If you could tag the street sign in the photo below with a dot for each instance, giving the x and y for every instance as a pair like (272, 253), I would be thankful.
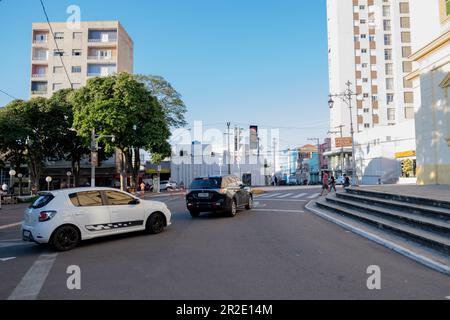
(94, 159)
(344, 142)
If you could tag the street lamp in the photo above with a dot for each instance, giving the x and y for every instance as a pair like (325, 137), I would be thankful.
(12, 173)
(347, 97)
(69, 174)
(48, 179)
(20, 176)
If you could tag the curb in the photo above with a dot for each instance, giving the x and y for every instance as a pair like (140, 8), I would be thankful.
(8, 226)
(385, 243)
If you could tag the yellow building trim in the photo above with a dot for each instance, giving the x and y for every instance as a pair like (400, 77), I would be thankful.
(436, 44)
(413, 75)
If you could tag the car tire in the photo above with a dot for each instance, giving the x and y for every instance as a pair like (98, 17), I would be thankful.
(194, 214)
(233, 209)
(155, 223)
(65, 238)
(249, 206)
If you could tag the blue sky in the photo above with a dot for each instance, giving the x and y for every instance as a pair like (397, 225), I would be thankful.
(258, 62)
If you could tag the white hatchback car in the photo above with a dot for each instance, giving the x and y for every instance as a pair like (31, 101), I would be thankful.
(64, 218)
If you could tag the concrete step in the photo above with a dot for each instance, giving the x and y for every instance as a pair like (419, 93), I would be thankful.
(403, 198)
(425, 237)
(426, 210)
(416, 220)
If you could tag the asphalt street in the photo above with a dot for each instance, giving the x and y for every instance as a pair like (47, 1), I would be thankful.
(276, 251)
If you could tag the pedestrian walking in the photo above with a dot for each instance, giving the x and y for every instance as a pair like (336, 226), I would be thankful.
(333, 184)
(325, 182)
(346, 182)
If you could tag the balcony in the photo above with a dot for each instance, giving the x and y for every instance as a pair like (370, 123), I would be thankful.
(38, 75)
(39, 91)
(101, 58)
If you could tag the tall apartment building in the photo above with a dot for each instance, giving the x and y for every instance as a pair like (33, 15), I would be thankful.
(369, 45)
(98, 48)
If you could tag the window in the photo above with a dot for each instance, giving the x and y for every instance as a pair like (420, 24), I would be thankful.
(362, 7)
(391, 114)
(406, 37)
(404, 7)
(409, 113)
(86, 199)
(387, 39)
(76, 52)
(390, 98)
(389, 84)
(365, 80)
(363, 36)
(366, 125)
(407, 84)
(365, 95)
(386, 11)
(406, 52)
(363, 50)
(409, 97)
(366, 110)
(58, 70)
(362, 21)
(59, 35)
(405, 22)
(59, 52)
(371, 38)
(389, 69)
(407, 66)
(77, 35)
(364, 65)
(118, 198)
(76, 69)
(388, 54)
(374, 98)
(387, 25)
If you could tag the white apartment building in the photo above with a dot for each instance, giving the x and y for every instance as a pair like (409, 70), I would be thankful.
(431, 82)
(369, 45)
(98, 48)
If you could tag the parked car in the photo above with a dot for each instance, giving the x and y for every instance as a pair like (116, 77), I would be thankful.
(218, 194)
(167, 185)
(65, 218)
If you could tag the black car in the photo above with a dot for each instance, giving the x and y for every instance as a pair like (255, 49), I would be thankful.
(218, 194)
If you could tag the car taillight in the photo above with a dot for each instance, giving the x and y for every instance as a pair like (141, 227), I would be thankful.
(46, 215)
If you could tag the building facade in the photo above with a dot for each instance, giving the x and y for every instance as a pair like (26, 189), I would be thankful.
(431, 82)
(369, 45)
(95, 49)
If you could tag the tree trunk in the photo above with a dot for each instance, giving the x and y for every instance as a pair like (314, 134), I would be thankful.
(123, 171)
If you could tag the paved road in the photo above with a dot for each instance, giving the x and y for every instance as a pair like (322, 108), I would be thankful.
(276, 251)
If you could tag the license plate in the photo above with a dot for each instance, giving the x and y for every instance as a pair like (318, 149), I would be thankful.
(203, 195)
(26, 235)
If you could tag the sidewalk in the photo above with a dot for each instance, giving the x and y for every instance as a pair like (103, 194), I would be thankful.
(12, 214)
(434, 192)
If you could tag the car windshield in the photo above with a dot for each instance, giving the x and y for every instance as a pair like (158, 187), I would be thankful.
(42, 201)
(207, 183)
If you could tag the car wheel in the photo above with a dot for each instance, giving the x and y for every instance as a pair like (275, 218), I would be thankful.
(233, 209)
(249, 206)
(194, 214)
(155, 223)
(65, 238)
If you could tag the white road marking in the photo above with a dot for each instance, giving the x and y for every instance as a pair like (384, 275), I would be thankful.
(271, 195)
(284, 200)
(31, 284)
(313, 196)
(15, 244)
(13, 225)
(7, 259)
(279, 210)
(301, 195)
(285, 195)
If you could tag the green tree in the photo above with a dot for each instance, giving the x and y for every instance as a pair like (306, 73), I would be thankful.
(123, 107)
(170, 100)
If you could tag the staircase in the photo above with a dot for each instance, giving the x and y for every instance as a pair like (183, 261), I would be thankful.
(421, 220)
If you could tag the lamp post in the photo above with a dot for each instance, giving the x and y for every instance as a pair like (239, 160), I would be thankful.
(347, 97)
(94, 152)
(12, 174)
(48, 180)
(69, 174)
(20, 176)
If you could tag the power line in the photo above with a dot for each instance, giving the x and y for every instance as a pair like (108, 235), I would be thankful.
(56, 43)
(7, 94)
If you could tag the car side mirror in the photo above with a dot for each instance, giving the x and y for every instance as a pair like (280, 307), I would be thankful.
(134, 202)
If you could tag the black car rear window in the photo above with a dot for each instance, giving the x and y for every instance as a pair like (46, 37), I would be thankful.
(207, 183)
(42, 201)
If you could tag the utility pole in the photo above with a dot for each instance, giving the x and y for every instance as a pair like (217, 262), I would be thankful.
(229, 151)
(274, 156)
(347, 97)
